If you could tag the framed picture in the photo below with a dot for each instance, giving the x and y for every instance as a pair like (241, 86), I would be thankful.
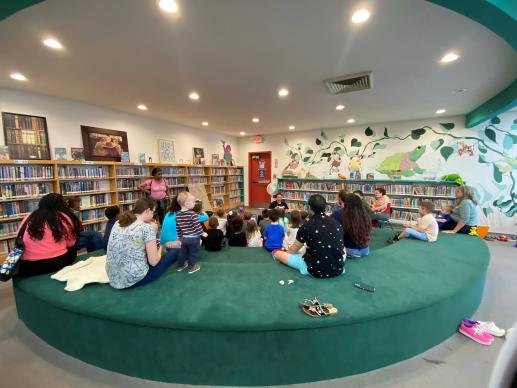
(199, 155)
(215, 159)
(166, 151)
(103, 144)
(26, 136)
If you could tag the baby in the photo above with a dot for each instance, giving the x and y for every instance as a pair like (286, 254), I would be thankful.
(444, 216)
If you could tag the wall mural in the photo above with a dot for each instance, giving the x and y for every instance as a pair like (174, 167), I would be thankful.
(489, 145)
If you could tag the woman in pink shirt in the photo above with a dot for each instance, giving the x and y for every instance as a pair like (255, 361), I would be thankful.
(158, 190)
(51, 232)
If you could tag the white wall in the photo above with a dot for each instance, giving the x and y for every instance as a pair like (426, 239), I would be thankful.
(65, 117)
(475, 170)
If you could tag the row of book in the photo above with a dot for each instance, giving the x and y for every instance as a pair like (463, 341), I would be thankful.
(93, 214)
(217, 171)
(25, 136)
(135, 171)
(217, 190)
(235, 171)
(98, 227)
(404, 215)
(235, 178)
(83, 172)
(234, 186)
(130, 196)
(127, 184)
(16, 209)
(175, 181)
(8, 228)
(196, 171)
(197, 179)
(414, 202)
(235, 193)
(17, 121)
(20, 172)
(6, 246)
(304, 195)
(79, 187)
(17, 190)
(94, 200)
(29, 151)
(171, 171)
(176, 190)
(218, 179)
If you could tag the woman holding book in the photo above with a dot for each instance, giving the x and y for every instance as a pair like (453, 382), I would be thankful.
(158, 191)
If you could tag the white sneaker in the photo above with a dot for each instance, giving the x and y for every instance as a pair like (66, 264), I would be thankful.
(492, 328)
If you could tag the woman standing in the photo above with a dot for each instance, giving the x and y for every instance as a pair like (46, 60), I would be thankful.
(50, 234)
(158, 191)
(133, 257)
(357, 226)
(464, 215)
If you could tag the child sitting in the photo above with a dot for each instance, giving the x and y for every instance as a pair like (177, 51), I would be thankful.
(246, 217)
(111, 214)
(273, 233)
(292, 229)
(253, 235)
(222, 220)
(264, 221)
(282, 219)
(234, 232)
(214, 240)
(89, 239)
(426, 228)
(190, 232)
(203, 218)
(304, 216)
(444, 216)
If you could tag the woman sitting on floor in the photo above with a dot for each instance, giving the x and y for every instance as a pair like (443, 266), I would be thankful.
(133, 257)
(464, 215)
(50, 234)
(357, 226)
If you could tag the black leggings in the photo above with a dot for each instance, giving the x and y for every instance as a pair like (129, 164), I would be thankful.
(39, 267)
(451, 224)
(159, 210)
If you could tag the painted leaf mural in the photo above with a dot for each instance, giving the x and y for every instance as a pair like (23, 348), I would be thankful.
(446, 152)
(490, 133)
(447, 126)
(435, 144)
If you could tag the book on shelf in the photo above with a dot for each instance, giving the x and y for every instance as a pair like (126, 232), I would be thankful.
(141, 157)
(124, 157)
(4, 152)
(60, 153)
(77, 153)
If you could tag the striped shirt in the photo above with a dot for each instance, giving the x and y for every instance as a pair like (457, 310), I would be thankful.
(187, 224)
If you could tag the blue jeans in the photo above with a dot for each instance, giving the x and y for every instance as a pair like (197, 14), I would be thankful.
(357, 252)
(189, 251)
(90, 240)
(412, 233)
(155, 272)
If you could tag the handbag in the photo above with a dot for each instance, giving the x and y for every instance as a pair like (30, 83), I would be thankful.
(11, 263)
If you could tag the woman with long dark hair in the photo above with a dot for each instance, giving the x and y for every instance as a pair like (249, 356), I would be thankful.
(51, 231)
(357, 226)
(158, 191)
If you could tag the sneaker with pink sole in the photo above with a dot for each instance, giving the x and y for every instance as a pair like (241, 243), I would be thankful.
(475, 333)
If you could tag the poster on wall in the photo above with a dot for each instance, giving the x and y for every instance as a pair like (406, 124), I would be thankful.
(166, 151)
(199, 155)
(103, 144)
(26, 136)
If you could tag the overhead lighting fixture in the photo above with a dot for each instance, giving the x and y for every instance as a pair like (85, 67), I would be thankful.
(340, 107)
(283, 92)
(18, 77)
(292, 127)
(53, 43)
(255, 119)
(169, 6)
(243, 133)
(360, 16)
(204, 123)
(142, 107)
(350, 121)
(440, 111)
(193, 96)
(449, 57)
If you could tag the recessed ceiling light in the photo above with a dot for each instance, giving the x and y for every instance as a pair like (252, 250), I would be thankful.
(340, 107)
(292, 127)
(142, 107)
(205, 123)
(360, 16)
(255, 119)
(52, 43)
(440, 111)
(193, 96)
(350, 121)
(169, 6)
(449, 57)
(243, 133)
(283, 92)
(18, 77)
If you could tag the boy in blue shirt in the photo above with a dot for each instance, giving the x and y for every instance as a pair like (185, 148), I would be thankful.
(444, 216)
(273, 233)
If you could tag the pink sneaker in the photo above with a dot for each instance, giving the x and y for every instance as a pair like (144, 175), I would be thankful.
(475, 333)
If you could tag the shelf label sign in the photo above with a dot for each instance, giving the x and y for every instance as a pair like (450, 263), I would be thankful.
(21, 161)
(87, 162)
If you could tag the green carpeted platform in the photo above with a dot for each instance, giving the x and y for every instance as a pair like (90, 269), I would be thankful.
(233, 324)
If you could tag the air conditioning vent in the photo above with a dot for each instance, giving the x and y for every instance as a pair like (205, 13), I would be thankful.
(349, 83)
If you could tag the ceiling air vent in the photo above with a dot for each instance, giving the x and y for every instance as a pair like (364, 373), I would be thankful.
(350, 83)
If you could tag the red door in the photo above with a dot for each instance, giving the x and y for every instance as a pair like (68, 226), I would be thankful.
(259, 176)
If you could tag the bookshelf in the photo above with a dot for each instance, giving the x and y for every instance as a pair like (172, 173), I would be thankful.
(99, 185)
(404, 194)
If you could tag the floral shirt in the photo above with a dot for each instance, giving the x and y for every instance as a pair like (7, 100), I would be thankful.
(126, 262)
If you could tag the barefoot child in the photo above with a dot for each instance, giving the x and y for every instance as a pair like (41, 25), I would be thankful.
(426, 228)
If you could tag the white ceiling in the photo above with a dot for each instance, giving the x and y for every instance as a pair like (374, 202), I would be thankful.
(237, 53)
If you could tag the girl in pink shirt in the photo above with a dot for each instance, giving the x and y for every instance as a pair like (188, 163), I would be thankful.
(51, 231)
(158, 190)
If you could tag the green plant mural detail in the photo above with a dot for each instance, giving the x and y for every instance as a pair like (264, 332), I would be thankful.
(496, 148)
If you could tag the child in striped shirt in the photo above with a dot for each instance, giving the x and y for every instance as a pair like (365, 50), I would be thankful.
(190, 232)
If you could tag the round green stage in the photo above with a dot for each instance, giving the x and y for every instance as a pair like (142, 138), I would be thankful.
(232, 323)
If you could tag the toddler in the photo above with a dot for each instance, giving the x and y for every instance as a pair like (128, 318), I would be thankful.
(304, 216)
(89, 239)
(444, 216)
(235, 233)
(214, 240)
(292, 229)
(273, 233)
(253, 236)
(246, 217)
(111, 214)
(426, 228)
(203, 218)
(221, 220)
(190, 232)
(282, 219)
(264, 221)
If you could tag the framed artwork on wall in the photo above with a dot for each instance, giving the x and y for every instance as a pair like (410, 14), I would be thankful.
(166, 151)
(215, 159)
(103, 144)
(26, 136)
(199, 155)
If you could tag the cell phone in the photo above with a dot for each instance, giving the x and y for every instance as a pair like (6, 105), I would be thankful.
(364, 286)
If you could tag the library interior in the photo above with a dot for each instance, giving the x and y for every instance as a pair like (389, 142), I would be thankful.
(258, 193)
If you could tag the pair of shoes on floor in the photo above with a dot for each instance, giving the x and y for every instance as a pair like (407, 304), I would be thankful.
(479, 331)
(315, 309)
(393, 240)
(190, 270)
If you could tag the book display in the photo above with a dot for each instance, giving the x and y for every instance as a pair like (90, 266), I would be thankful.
(405, 195)
(99, 185)
(26, 136)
